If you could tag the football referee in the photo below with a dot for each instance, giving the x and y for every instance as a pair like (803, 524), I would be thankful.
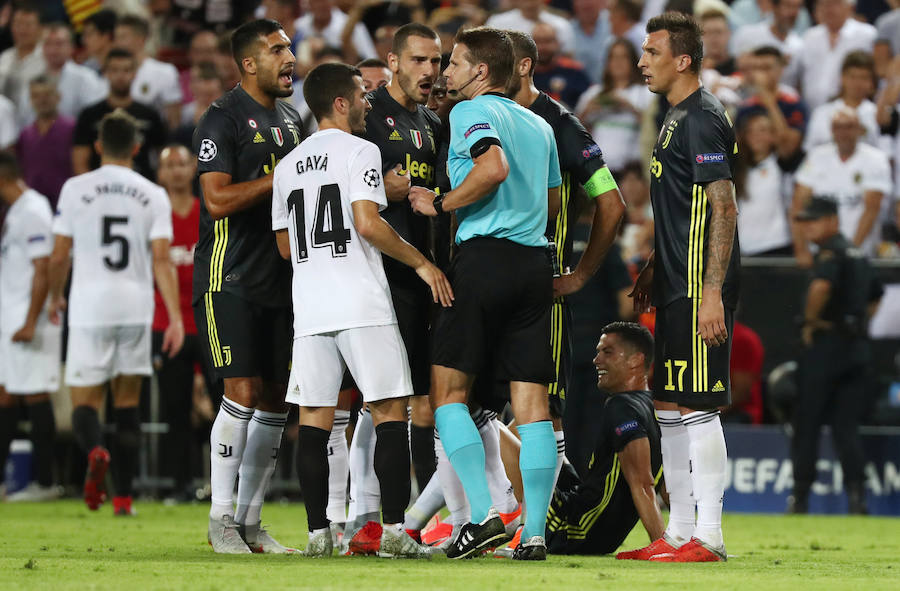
(502, 277)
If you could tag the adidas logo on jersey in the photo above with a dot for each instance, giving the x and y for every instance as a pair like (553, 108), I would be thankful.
(395, 136)
(259, 139)
(718, 387)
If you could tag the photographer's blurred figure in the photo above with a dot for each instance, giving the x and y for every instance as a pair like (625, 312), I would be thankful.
(832, 377)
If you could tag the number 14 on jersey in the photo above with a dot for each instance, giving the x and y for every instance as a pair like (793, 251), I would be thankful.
(328, 226)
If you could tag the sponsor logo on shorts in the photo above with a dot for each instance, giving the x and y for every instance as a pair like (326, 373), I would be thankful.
(711, 157)
(36, 238)
(476, 127)
(718, 387)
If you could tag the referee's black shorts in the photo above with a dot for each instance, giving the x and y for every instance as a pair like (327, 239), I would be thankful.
(244, 339)
(500, 319)
(685, 370)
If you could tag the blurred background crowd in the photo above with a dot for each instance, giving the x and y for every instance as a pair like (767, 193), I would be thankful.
(812, 87)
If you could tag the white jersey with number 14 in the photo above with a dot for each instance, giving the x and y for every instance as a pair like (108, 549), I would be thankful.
(339, 281)
(112, 214)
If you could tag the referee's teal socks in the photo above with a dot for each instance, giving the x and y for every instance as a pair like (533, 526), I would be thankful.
(537, 462)
(466, 452)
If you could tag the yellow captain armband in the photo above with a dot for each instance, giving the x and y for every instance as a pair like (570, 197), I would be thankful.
(600, 182)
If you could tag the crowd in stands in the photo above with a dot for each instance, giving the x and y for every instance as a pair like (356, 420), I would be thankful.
(812, 88)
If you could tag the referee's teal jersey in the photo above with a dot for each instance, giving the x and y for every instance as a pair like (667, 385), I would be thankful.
(517, 209)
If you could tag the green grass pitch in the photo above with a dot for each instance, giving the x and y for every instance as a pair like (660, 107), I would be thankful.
(62, 545)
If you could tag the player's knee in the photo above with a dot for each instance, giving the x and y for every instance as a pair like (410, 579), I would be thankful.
(391, 409)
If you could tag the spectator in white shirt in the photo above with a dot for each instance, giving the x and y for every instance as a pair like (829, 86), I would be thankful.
(591, 30)
(826, 45)
(613, 110)
(25, 59)
(855, 175)
(325, 21)
(762, 186)
(749, 12)
(716, 43)
(857, 85)
(78, 86)
(778, 32)
(156, 83)
(530, 12)
(97, 37)
(9, 129)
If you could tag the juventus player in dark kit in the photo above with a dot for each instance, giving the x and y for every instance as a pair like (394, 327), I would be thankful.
(581, 162)
(406, 133)
(242, 289)
(694, 288)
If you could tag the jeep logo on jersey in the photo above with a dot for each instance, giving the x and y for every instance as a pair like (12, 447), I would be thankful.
(279, 138)
(416, 137)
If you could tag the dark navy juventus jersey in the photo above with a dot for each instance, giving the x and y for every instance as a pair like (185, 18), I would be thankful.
(408, 138)
(238, 254)
(696, 146)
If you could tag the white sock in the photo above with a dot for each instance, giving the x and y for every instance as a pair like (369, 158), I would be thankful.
(675, 446)
(501, 488)
(338, 468)
(709, 457)
(226, 443)
(427, 504)
(454, 494)
(258, 464)
(363, 480)
(560, 453)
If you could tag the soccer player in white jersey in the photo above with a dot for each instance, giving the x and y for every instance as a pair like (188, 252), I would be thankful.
(326, 198)
(117, 226)
(29, 343)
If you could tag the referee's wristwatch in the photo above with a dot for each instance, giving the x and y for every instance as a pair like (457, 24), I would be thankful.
(439, 204)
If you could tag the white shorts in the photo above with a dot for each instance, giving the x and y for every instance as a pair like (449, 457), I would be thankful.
(96, 354)
(375, 356)
(32, 368)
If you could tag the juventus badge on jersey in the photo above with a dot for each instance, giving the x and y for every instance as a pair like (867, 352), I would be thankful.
(279, 138)
(416, 137)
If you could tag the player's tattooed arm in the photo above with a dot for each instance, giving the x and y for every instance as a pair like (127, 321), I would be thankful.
(722, 224)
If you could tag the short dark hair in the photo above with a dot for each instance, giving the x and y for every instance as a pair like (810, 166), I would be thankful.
(768, 51)
(28, 7)
(685, 35)
(859, 59)
(328, 50)
(630, 8)
(492, 47)
(523, 46)
(118, 134)
(325, 83)
(118, 53)
(9, 167)
(103, 20)
(636, 336)
(136, 23)
(45, 79)
(246, 37)
(411, 30)
(372, 62)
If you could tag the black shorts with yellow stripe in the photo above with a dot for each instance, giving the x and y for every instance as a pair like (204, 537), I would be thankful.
(561, 347)
(244, 339)
(586, 521)
(685, 370)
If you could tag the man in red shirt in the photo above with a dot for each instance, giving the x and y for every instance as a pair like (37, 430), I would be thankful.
(175, 376)
(746, 377)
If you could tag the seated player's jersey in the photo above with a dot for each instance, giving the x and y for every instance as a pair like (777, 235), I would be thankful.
(237, 254)
(112, 214)
(696, 146)
(408, 138)
(26, 236)
(627, 416)
(517, 209)
(581, 163)
(339, 281)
